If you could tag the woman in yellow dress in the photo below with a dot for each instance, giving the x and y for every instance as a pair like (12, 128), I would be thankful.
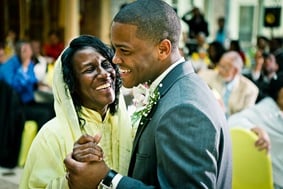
(86, 87)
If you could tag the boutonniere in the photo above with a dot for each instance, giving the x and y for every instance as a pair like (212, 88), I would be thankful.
(143, 100)
(141, 96)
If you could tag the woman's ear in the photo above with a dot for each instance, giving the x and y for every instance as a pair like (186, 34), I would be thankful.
(164, 49)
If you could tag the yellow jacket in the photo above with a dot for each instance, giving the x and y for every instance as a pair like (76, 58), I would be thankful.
(44, 167)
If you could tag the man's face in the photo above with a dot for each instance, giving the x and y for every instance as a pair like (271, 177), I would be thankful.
(35, 45)
(137, 59)
(226, 69)
(270, 65)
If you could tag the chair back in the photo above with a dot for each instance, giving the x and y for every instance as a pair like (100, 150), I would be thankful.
(252, 168)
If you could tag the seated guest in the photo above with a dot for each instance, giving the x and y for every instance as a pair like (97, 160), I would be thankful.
(88, 101)
(199, 56)
(264, 70)
(54, 46)
(41, 64)
(266, 120)
(42, 72)
(215, 51)
(18, 72)
(276, 48)
(237, 91)
(10, 41)
(235, 45)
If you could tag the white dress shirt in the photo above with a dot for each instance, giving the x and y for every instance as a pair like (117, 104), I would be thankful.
(266, 115)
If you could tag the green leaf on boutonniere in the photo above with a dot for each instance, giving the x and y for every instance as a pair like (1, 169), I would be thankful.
(153, 98)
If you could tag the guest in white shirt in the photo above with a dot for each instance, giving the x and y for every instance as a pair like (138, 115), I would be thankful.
(266, 120)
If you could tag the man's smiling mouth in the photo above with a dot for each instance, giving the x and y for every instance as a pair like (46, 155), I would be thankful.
(124, 71)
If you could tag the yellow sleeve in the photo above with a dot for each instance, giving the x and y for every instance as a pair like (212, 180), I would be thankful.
(44, 167)
(125, 138)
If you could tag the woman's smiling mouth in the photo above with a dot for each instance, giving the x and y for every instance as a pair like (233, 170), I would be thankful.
(104, 86)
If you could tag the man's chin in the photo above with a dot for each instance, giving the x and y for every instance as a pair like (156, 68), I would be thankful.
(225, 79)
(127, 84)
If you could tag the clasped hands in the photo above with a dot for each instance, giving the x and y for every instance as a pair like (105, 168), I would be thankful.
(85, 165)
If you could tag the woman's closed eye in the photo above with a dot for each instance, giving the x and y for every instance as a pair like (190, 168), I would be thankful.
(89, 69)
(106, 64)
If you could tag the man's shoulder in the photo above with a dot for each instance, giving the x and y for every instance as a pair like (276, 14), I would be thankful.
(247, 83)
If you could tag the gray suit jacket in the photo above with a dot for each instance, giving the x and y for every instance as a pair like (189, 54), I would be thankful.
(184, 142)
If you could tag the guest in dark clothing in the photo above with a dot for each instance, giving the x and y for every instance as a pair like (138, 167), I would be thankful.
(276, 48)
(18, 72)
(215, 51)
(262, 43)
(196, 23)
(11, 125)
(236, 46)
(264, 71)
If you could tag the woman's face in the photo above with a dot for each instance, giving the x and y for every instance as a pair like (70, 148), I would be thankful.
(95, 79)
(26, 52)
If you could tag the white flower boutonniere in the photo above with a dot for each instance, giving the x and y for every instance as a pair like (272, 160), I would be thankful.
(141, 96)
(144, 100)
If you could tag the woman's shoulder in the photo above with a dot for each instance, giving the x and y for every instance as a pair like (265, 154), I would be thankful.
(51, 128)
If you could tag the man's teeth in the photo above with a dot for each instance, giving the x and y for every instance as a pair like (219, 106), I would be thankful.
(106, 85)
(124, 71)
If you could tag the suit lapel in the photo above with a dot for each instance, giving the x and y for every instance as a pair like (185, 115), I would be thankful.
(143, 122)
(178, 72)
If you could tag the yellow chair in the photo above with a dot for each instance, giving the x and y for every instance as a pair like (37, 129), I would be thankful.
(29, 132)
(252, 168)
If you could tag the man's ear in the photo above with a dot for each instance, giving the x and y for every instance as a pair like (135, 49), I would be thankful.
(164, 49)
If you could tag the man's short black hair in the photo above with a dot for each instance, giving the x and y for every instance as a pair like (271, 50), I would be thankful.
(155, 20)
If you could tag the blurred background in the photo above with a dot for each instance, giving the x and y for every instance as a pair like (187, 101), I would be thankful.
(244, 19)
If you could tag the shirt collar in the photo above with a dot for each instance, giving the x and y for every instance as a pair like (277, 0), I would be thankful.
(231, 84)
(92, 115)
(156, 82)
(268, 79)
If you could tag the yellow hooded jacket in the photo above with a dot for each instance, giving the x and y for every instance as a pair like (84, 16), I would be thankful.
(44, 167)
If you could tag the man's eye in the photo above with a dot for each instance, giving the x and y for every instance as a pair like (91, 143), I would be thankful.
(125, 52)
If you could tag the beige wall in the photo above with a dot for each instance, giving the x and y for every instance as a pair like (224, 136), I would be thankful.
(106, 21)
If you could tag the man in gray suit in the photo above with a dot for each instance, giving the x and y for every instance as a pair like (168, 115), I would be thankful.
(182, 140)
